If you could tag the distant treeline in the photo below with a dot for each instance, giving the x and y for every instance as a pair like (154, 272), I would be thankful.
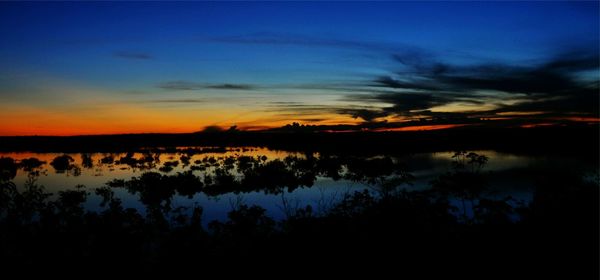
(540, 140)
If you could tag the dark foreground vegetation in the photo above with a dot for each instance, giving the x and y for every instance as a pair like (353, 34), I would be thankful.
(453, 229)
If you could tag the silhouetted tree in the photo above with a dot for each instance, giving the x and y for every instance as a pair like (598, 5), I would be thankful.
(8, 168)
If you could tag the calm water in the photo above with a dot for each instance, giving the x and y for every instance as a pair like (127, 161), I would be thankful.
(506, 176)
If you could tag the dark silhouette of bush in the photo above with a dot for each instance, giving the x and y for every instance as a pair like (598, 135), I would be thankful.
(272, 177)
(86, 161)
(465, 182)
(8, 168)
(186, 183)
(31, 164)
(168, 166)
(108, 159)
(63, 163)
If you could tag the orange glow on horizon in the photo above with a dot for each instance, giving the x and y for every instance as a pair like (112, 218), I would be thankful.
(131, 118)
(420, 127)
(583, 119)
(537, 125)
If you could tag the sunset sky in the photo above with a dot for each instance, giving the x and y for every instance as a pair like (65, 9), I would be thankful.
(98, 68)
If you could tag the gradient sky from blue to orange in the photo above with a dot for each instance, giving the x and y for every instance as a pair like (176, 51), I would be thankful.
(95, 68)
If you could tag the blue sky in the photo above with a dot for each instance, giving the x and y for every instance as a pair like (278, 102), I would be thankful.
(252, 54)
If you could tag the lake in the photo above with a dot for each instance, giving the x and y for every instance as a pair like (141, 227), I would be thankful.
(221, 179)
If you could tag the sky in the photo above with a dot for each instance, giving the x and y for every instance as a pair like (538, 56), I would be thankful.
(73, 68)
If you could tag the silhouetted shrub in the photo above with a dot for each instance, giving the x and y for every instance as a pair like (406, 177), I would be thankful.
(8, 168)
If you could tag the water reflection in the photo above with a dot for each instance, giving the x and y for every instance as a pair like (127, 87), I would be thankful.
(162, 206)
(160, 180)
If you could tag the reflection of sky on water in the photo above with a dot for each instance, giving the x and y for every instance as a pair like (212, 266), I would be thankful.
(502, 170)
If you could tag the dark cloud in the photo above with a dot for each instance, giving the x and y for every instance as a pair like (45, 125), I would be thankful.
(554, 75)
(389, 82)
(187, 85)
(231, 86)
(132, 55)
(368, 115)
(296, 109)
(527, 92)
(577, 102)
(551, 87)
(400, 104)
(406, 102)
(312, 119)
(575, 61)
(504, 78)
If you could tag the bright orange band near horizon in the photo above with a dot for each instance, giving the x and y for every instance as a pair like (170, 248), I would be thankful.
(128, 119)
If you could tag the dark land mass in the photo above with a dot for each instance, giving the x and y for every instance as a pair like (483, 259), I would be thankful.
(378, 232)
(582, 140)
(383, 231)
